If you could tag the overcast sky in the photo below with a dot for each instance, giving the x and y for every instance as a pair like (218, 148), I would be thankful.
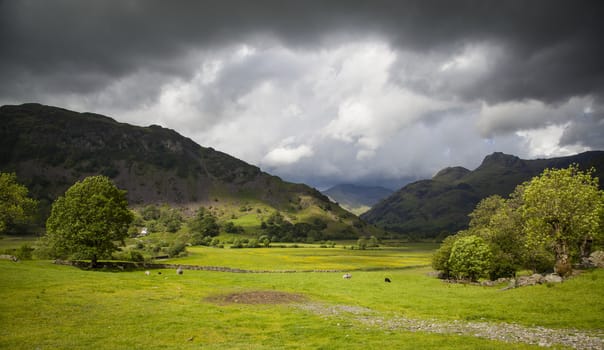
(323, 92)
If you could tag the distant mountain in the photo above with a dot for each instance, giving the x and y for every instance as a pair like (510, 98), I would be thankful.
(51, 148)
(428, 208)
(357, 199)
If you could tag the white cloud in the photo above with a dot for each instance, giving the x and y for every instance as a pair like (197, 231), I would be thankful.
(287, 155)
(545, 142)
(350, 113)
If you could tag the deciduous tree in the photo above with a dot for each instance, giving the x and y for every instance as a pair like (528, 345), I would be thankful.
(15, 206)
(563, 209)
(470, 258)
(88, 220)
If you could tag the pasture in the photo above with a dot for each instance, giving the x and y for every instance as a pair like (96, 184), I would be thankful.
(46, 306)
(309, 258)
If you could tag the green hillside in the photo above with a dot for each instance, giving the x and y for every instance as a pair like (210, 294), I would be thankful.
(429, 208)
(51, 148)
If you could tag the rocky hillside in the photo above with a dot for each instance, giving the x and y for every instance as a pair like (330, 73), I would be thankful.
(428, 208)
(50, 148)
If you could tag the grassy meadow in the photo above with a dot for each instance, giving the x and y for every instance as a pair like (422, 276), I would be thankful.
(46, 306)
(308, 257)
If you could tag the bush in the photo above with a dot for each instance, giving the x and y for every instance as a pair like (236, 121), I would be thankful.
(237, 244)
(215, 242)
(470, 258)
(502, 266)
(175, 249)
(440, 258)
(136, 256)
(24, 252)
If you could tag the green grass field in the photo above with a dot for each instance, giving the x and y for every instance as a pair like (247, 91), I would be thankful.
(46, 306)
(309, 258)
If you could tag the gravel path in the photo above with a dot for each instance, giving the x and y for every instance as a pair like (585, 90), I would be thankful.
(506, 332)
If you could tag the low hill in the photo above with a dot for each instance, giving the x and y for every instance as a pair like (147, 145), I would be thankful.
(357, 199)
(428, 208)
(51, 148)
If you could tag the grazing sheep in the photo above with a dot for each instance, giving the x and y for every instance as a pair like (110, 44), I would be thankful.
(148, 273)
(347, 276)
(387, 280)
(179, 271)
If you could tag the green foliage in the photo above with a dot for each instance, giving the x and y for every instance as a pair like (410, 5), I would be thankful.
(542, 226)
(362, 243)
(15, 205)
(440, 258)
(470, 258)
(170, 219)
(265, 241)
(177, 249)
(88, 220)
(230, 227)
(203, 224)
(150, 212)
(563, 209)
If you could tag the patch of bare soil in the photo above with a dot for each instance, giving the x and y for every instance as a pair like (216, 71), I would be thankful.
(257, 297)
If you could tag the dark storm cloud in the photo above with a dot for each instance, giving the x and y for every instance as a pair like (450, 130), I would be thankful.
(552, 48)
(323, 91)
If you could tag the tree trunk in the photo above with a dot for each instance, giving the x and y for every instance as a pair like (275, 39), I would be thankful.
(585, 248)
(93, 262)
(563, 266)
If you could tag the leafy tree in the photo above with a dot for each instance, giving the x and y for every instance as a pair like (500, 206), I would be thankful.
(563, 209)
(470, 258)
(15, 206)
(265, 241)
(171, 219)
(499, 223)
(88, 220)
(362, 243)
(481, 215)
(203, 224)
(150, 212)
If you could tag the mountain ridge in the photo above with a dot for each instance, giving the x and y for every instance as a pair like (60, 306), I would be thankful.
(50, 148)
(437, 206)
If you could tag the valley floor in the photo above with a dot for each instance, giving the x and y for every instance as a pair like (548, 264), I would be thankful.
(49, 306)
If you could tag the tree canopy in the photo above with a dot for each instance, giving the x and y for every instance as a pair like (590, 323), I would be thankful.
(563, 209)
(15, 206)
(88, 220)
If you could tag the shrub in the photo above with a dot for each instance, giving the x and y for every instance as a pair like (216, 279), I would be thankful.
(175, 249)
(470, 258)
(136, 256)
(24, 252)
(253, 243)
(237, 244)
(440, 258)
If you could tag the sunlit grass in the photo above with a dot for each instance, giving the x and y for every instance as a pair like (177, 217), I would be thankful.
(13, 242)
(307, 258)
(47, 306)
